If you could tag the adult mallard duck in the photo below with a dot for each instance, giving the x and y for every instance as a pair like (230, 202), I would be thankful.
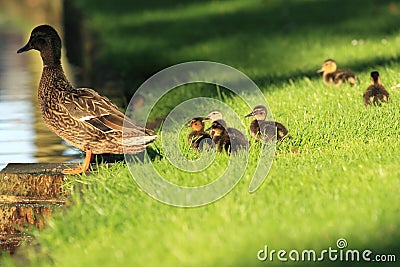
(331, 75)
(234, 133)
(199, 138)
(264, 130)
(376, 92)
(80, 116)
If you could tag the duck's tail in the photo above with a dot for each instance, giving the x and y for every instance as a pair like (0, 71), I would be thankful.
(353, 79)
(139, 140)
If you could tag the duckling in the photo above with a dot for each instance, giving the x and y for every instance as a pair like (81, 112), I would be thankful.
(220, 136)
(214, 115)
(198, 138)
(330, 74)
(223, 140)
(375, 92)
(80, 116)
(234, 133)
(264, 130)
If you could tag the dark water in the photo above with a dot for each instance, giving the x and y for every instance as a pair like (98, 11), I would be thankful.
(23, 135)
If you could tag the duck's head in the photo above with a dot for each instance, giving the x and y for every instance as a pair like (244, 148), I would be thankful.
(214, 115)
(218, 127)
(197, 124)
(46, 40)
(259, 113)
(375, 78)
(328, 66)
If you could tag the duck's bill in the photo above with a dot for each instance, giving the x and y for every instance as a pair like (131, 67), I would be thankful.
(207, 119)
(25, 48)
(320, 70)
(251, 114)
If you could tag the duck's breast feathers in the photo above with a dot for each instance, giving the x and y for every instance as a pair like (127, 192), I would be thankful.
(87, 106)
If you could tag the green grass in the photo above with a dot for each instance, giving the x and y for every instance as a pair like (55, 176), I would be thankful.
(343, 182)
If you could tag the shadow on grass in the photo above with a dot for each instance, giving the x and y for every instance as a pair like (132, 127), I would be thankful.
(136, 39)
(226, 33)
(140, 38)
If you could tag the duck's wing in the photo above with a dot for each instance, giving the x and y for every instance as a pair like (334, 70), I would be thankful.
(345, 75)
(382, 93)
(237, 137)
(281, 130)
(374, 94)
(368, 96)
(235, 133)
(86, 105)
(329, 78)
(269, 129)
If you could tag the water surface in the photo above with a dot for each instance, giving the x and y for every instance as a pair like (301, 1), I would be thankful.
(23, 136)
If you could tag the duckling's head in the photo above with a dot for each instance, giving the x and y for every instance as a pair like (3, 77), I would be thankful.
(214, 115)
(259, 113)
(218, 127)
(197, 124)
(328, 66)
(375, 78)
(46, 40)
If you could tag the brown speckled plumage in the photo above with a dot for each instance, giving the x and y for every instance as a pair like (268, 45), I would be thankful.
(234, 134)
(80, 116)
(198, 138)
(224, 141)
(376, 92)
(264, 130)
(220, 136)
(331, 75)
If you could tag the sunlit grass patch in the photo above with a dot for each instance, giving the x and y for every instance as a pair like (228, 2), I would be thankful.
(337, 176)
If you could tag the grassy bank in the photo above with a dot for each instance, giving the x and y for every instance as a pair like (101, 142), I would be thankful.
(343, 183)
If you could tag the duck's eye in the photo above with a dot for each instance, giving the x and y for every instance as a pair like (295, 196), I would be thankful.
(40, 42)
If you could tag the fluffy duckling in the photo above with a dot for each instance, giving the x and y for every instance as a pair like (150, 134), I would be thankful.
(375, 92)
(331, 75)
(198, 138)
(233, 132)
(223, 140)
(264, 130)
(214, 115)
(220, 136)
(80, 116)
